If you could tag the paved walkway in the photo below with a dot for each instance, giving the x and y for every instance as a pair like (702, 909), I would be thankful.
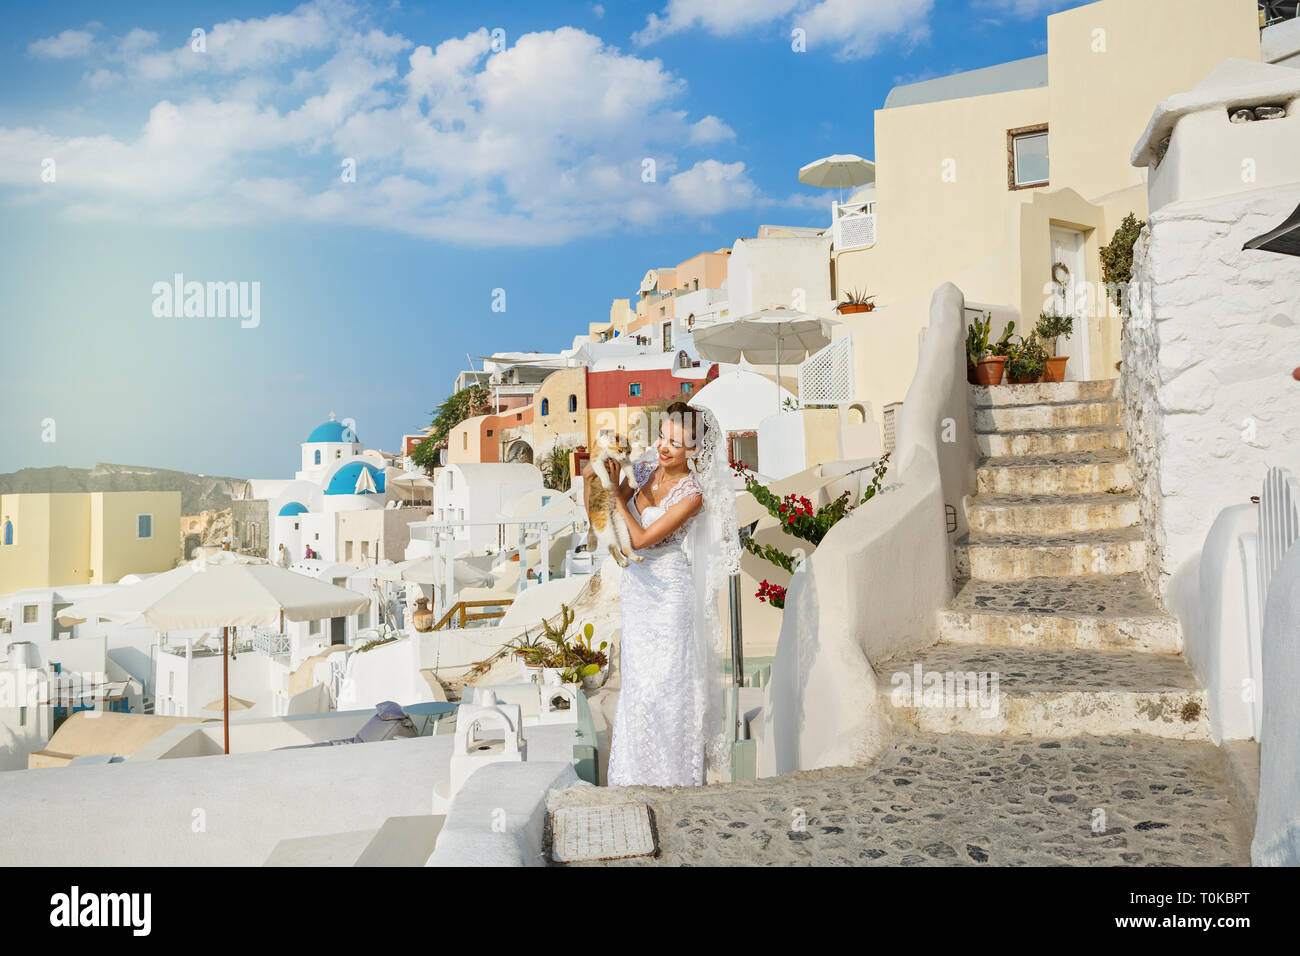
(945, 800)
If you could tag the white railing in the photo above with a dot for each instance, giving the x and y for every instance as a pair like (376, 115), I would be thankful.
(1279, 525)
(826, 376)
(269, 642)
(854, 225)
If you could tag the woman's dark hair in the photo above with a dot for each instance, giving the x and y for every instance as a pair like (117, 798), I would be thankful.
(689, 417)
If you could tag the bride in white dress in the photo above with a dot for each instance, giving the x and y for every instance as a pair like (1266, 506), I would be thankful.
(670, 724)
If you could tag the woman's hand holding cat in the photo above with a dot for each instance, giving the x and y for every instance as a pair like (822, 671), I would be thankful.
(611, 466)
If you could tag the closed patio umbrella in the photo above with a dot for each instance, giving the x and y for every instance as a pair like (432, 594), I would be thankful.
(764, 338)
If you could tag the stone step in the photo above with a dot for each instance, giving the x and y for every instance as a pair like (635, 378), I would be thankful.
(1018, 418)
(1098, 612)
(1011, 557)
(1074, 473)
(1051, 441)
(1051, 514)
(1043, 393)
(1044, 692)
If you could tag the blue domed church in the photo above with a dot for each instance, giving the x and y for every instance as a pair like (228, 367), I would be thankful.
(336, 476)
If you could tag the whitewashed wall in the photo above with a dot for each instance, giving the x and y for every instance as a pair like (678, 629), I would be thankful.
(871, 589)
(1277, 826)
(1207, 358)
(1210, 594)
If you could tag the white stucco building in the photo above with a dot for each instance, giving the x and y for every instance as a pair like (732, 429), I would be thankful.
(337, 477)
(477, 493)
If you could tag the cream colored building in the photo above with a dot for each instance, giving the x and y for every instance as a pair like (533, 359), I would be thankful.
(47, 540)
(989, 179)
(621, 315)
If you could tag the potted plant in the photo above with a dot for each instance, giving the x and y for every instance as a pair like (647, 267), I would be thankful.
(1026, 361)
(560, 656)
(594, 667)
(525, 644)
(977, 343)
(984, 365)
(1049, 329)
(855, 301)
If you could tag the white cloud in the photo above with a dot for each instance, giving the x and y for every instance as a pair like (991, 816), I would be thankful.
(719, 17)
(539, 143)
(852, 29)
(711, 130)
(857, 28)
(712, 187)
(1027, 9)
(68, 44)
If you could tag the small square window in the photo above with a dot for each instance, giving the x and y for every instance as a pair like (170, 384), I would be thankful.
(1027, 157)
(313, 627)
(144, 526)
(30, 613)
(686, 388)
(634, 388)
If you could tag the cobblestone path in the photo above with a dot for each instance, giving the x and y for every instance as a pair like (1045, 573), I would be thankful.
(953, 800)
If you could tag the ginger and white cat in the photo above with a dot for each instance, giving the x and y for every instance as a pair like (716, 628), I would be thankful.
(607, 525)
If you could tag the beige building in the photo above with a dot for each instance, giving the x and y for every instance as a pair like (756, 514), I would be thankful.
(621, 315)
(367, 538)
(48, 540)
(992, 179)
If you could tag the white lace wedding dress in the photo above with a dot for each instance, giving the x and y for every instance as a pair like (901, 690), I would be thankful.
(658, 738)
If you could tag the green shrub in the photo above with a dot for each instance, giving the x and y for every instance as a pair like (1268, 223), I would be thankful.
(1117, 257)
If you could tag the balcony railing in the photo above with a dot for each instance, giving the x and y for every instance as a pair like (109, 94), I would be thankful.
(854, 225)
(269, 642)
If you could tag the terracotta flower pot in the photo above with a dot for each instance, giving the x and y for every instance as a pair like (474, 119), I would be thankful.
(423, 616)
(1055, 371)
(989, 371)
(1023, 379)
(852, 308)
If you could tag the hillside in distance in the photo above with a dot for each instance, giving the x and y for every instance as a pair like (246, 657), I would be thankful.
(198, 492)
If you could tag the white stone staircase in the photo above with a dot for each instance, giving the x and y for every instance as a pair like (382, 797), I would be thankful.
(1051, 598)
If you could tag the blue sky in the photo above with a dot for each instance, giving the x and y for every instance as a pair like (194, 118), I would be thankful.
(483, 160)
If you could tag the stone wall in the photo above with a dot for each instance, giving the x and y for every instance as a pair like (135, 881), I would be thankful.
(1209, 344)
(1138, 361)
(246, 516)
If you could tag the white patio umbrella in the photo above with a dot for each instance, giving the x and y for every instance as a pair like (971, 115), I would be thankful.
(429, 570)
(413, 480)
(764, 338)
(839, 171)
(225, 596)
(229, 701)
